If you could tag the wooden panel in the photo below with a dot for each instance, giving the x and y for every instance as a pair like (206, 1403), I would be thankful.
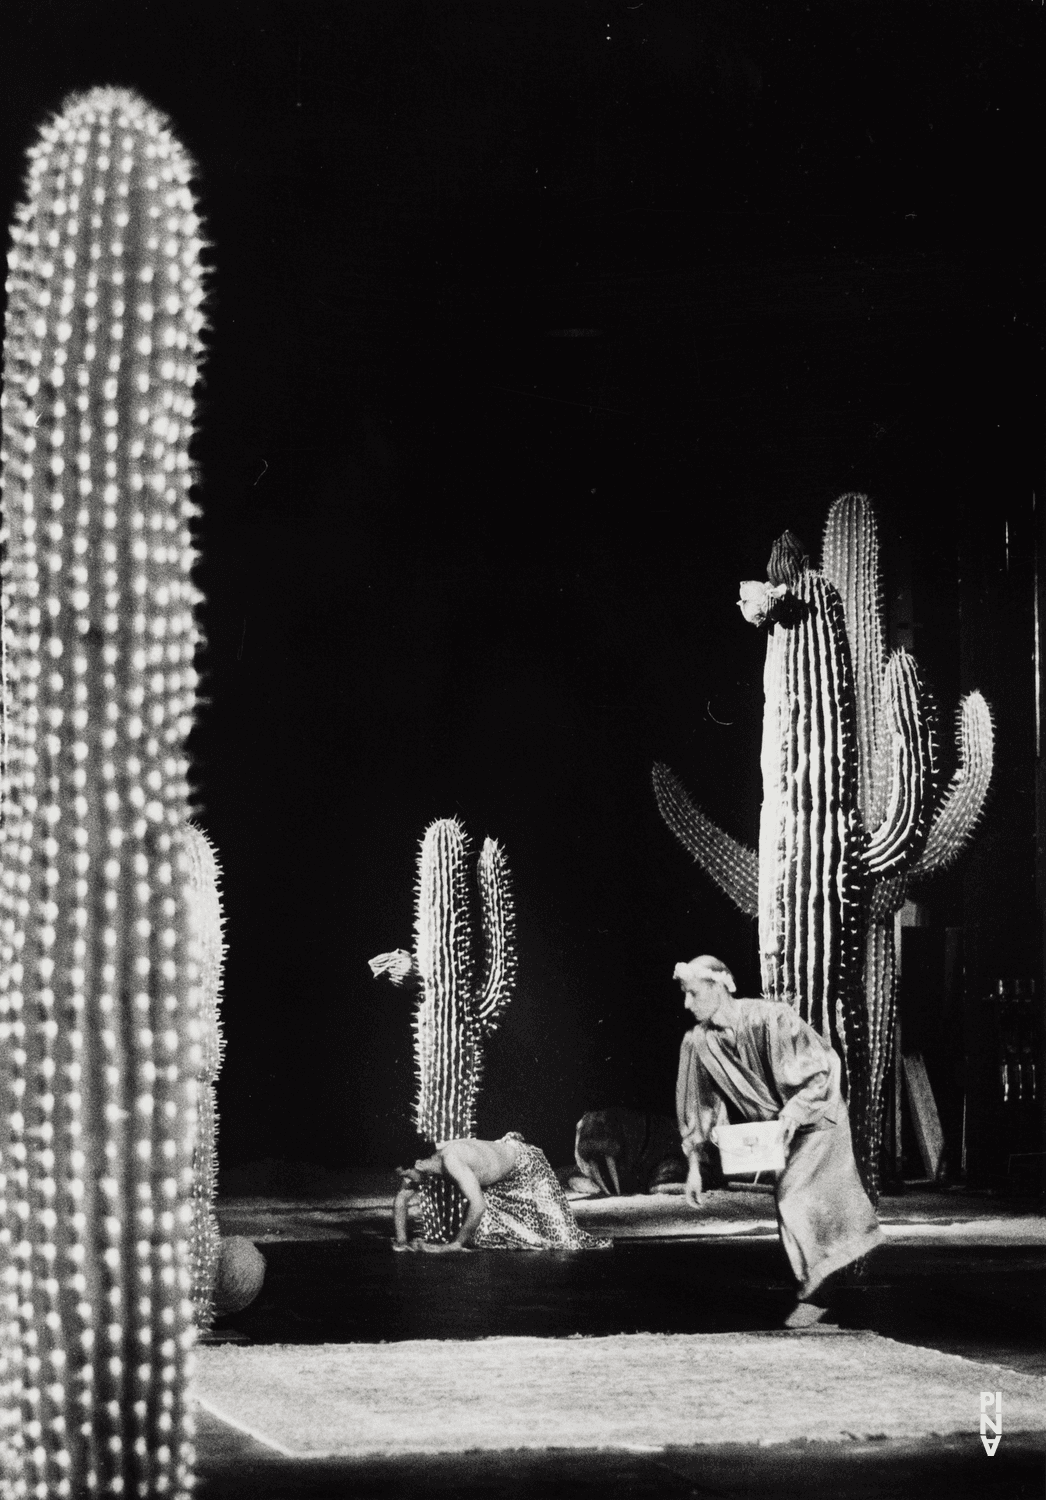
(927, 1124)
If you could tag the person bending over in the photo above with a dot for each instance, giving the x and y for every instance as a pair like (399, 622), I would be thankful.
(622, 1151)
(759, 1060)
(514, 1199)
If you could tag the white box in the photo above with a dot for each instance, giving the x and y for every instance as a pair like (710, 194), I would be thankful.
(755, 1147)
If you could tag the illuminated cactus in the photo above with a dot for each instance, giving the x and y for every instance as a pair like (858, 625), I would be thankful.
(454, 1013)
(810, 837)
(205, 1238)
(850, 808)
(806, 885)
(917, 831)
(100, 982)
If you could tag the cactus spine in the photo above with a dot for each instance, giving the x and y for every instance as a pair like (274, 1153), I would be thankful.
(851, 810)
(99, 964)
(208, 920)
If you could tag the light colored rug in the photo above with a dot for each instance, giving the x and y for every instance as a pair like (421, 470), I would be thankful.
(638, 1392)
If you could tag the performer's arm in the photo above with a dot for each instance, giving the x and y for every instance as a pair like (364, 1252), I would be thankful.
(689, 1117)
(682, 1087)
(399, 1214)
(802, 1068)
(694, 1191)
(468, 1182)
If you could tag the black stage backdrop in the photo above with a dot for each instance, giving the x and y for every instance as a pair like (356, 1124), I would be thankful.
(533, 325)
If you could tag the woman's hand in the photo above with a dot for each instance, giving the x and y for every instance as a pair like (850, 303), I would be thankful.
(791, 1125)
(694, 1193)
(440, 1249)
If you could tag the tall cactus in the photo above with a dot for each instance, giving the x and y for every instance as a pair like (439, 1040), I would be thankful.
(205, 1237)
(810, 840)
(851, 808)
(100, 970)
(917, 829)
(455, 1010)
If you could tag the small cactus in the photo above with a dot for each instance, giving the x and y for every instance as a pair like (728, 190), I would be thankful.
(454, 1013)
(851, 810)
(100, 983)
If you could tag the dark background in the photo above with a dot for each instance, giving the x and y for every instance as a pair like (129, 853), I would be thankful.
(533, 325)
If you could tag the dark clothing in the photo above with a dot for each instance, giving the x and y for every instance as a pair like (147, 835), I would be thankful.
(645, 1148)
(771, 1065)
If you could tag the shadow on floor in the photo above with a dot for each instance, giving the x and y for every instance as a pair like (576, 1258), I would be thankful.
(984, 1303)
(234, 1467)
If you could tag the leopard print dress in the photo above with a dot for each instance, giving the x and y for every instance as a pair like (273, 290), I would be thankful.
(528, 1210)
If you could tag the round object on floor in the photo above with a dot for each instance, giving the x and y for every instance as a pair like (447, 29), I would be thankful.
(241, 1271)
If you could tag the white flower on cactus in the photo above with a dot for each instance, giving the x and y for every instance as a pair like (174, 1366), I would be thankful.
(758, 599)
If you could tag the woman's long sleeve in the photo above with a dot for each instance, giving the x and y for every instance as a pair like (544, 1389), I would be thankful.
(804, 1070)
(698, 1105)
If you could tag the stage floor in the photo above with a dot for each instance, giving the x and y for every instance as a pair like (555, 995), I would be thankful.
(960, 1274)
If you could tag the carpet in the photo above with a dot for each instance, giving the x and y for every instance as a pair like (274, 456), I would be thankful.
(638, 1392)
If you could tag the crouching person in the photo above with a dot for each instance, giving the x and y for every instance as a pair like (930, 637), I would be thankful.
(758, 1060)
(624, 1151)
(514, 1199)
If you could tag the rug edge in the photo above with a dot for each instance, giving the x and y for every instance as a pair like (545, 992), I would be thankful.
(842, 1440)
(259, 1437)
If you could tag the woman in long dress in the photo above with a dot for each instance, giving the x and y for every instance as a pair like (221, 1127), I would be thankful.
(759, 1060)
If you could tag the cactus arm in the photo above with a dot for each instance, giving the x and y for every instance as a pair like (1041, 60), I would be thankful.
(101, 352)
(446, 1032)
(731, 865)
(499, 925)
(850, 562)
(897, 842)
(208, 922)
(880, 985)
(962, 804)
